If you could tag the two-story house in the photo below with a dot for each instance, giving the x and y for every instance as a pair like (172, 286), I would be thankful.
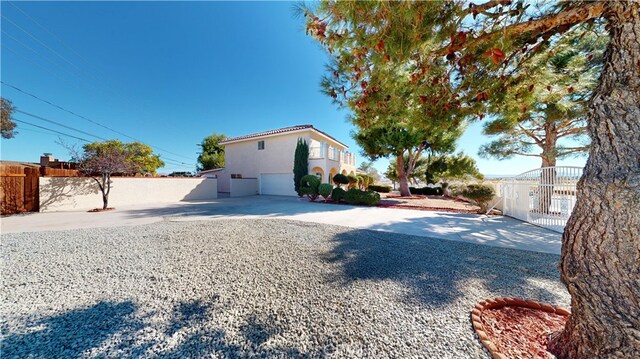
(268, 158)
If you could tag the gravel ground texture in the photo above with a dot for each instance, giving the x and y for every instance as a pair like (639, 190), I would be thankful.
(254, 288)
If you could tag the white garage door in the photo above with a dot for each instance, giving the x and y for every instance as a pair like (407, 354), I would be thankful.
(277, 184)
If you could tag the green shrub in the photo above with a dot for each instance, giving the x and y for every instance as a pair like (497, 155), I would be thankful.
(325, 190)
(479, 193)
(456, 190)
(340, 179)
(356, 196)
(309, 186)
(427, 191)
(380, 188)
(338, 194)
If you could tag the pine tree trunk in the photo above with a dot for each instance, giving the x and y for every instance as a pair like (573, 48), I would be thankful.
(402, 176)
(601, 243)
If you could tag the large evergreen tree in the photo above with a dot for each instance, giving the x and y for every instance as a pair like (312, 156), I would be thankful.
(544, 113)
(486, 46)
(300, 164)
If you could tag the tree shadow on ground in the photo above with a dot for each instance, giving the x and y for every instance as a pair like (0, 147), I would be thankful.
(70, 334)
(271, 206)
(92, 330)
(435, 270)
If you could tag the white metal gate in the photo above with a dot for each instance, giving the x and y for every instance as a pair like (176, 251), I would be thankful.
(544, 196)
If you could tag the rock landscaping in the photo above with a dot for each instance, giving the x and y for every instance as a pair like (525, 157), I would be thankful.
(254, 288)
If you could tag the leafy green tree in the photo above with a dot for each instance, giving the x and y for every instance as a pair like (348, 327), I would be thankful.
(300, 164)
(212, 154)
(451, 167)
(143, 158)
(7, 126)
(544, 114)
(140, 156)
(486, 45)
(405, 146)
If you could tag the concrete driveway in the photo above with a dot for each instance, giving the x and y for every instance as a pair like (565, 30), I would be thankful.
(494, 231)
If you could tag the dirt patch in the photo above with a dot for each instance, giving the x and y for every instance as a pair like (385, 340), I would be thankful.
(429, 203)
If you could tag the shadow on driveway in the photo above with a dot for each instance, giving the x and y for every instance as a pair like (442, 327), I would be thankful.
(435, 270)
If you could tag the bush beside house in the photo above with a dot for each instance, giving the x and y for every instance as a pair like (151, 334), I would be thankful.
(309, 185)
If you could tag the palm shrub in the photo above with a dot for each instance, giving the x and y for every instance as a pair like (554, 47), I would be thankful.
(338, 194)
(325, 190)
(309, 186)
(300, 164)
(481, 194)
(340, 179)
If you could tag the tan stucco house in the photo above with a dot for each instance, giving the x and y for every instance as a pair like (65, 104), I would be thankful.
(267, 157)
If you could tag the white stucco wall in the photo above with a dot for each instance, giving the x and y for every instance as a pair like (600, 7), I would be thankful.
(241, 187)
(77, 193)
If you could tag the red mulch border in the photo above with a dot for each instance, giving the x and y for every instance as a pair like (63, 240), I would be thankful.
(494, 303)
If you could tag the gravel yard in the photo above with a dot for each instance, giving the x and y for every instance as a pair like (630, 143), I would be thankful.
(254, 288)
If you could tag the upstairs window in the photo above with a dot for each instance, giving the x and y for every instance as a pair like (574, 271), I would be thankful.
(261, 145)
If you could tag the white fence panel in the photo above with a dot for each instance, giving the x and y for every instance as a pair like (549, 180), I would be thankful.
(544, 196)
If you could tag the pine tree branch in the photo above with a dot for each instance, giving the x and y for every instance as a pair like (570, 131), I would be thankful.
(573, 131)
(531, 134)
(544, 25)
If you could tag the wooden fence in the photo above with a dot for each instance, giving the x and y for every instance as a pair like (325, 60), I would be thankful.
(57, 172)
(19, 189)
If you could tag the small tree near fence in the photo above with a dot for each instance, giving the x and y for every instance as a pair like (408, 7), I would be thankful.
(101, 162)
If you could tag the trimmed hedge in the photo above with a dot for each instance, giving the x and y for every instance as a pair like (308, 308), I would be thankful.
(427, 191)
(325, 190)
(338, 194)
(309, 185)
(380, 188)
(340, 179)
(356, 196)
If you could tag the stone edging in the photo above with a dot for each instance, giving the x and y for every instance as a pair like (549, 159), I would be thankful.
(476, 317)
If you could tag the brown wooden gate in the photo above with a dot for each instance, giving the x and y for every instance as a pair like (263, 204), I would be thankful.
(19, 189)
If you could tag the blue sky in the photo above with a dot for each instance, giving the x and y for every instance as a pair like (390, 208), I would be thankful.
(170, 73)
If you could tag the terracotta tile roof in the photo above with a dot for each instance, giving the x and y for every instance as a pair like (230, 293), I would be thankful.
(278, 131)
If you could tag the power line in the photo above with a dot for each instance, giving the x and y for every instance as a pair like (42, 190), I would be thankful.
(41, 42)
(59, 124)
(47, 30)
(177, 164)
(48, 129)
(74, 65)
(87, 119)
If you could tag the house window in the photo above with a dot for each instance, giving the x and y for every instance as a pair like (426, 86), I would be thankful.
(261, 145)
(236, 175)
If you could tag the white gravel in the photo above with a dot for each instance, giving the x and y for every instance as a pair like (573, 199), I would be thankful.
(254, 288)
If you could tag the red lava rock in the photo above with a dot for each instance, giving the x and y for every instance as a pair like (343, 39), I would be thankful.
(520, 332)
